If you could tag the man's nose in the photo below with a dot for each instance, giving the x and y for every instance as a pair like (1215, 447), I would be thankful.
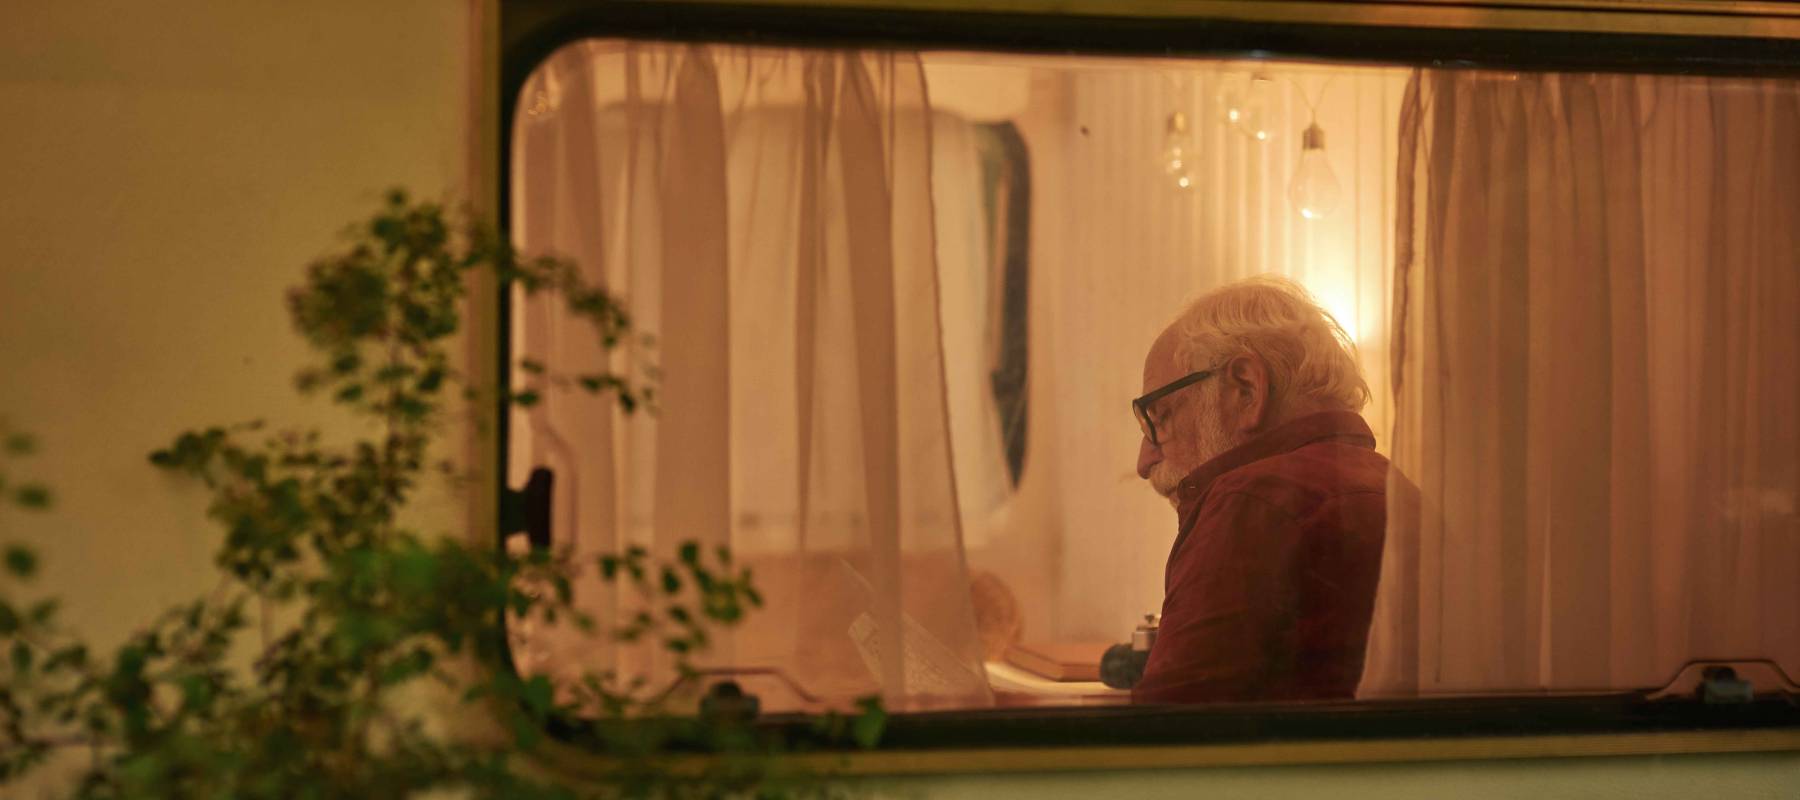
(1148, 456)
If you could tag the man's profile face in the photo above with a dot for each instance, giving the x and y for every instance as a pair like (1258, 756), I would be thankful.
(1189, 427)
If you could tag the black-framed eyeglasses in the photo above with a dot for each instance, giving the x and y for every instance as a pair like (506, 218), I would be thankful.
(1140, 407)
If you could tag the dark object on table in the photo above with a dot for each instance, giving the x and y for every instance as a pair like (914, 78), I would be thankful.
(1123, 664)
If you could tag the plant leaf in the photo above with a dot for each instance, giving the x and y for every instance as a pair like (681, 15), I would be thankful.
(21, 561)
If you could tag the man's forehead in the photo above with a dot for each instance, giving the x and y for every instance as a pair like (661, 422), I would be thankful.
(1160, 361)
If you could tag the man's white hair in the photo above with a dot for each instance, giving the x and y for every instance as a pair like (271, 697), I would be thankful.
(1307, 352)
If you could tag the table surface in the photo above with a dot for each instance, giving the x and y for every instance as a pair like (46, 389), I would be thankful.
(1016, 687)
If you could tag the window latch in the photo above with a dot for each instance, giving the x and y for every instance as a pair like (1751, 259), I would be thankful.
(527, 510)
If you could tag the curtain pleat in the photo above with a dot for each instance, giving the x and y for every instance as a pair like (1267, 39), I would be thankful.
(1594, 382)
(692, 471)
(766, 214)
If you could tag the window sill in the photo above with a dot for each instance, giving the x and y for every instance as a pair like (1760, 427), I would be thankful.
(1075, 759)
(1053, 739)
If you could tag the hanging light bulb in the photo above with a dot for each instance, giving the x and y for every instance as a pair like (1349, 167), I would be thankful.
(1314, 188)
(1256, 109)
(1178, 151)
(1231, 99)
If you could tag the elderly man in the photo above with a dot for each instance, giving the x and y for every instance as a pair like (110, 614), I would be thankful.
(1251, 431)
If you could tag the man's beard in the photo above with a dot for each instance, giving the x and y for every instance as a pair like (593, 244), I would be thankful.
(1210, 440)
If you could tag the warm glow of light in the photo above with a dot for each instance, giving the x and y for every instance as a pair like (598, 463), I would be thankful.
(1341, 302)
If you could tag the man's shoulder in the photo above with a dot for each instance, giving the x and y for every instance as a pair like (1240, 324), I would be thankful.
(1305, 478)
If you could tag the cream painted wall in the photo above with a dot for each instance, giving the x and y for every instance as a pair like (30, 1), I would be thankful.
(167, 169)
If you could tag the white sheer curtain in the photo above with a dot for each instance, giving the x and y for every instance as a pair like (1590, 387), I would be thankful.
(1597, 374)
(768, 215)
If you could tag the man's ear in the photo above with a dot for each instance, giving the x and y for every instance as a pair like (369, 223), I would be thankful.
(1247, 392)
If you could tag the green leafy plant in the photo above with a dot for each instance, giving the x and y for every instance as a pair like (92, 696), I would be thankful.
(363, 626)
(23, 626)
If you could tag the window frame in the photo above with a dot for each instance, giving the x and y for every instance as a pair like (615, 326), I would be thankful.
(1656, 36)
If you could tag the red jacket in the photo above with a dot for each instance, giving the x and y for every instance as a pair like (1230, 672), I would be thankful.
(1271, 581)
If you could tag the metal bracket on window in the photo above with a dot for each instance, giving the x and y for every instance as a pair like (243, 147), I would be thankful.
(1722, 686)
(1728, 681)
(527, 510)
(728, 698)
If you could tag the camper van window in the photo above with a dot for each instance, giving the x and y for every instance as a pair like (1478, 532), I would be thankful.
(1114, 387)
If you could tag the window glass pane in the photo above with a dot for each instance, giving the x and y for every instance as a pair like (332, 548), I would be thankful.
(1461, 381)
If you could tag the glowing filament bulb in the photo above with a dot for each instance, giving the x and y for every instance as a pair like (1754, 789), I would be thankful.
(1314, 189)
(1231, 100)
(1254, 112)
